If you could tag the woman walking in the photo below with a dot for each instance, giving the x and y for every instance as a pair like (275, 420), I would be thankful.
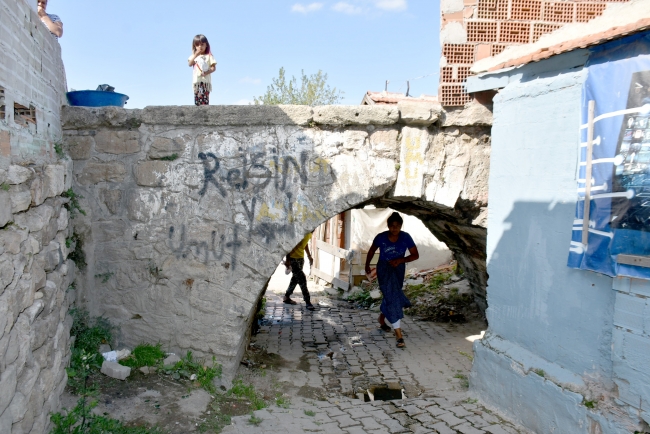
(204, 65)
(391, 269)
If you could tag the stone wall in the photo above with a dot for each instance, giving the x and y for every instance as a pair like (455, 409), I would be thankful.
(34, 273)
(34, 301)
(189, 210)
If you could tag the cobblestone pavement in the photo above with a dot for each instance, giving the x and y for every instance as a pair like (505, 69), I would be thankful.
(341, 351)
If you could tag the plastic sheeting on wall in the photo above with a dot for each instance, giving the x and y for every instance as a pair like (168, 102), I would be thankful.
(619, 218)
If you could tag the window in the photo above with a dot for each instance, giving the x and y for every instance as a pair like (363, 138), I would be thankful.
(24, 115)
(2, 104)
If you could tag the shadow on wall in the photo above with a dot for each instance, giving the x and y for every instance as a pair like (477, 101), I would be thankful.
(544, 317)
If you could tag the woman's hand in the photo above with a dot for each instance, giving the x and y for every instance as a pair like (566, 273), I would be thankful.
(396, 262)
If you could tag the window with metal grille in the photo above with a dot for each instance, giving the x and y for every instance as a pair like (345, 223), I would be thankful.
(526, 10)
(588, 11)
(559, 12)
(458, 53)
(540, 29)
(24, 115)
(518, 33)
(481, 31)
(493, 9)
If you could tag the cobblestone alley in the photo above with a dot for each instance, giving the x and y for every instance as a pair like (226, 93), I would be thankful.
(340, 350)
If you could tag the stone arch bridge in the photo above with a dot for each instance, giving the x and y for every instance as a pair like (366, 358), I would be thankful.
(190, 209)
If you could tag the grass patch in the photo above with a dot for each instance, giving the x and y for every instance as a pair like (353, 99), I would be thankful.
(361, 298)
(254, 420)
(464, 381)
(247, 392)
(469, 356)
(540, 372)
(590, 404)
(281, 400)
(144, 355)
(189, 366)
(89, 334)
(310, 413)
(5, 186)
(214, 423)
(81, 420)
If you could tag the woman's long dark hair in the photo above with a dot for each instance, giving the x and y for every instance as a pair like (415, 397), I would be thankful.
(199, 39)
(395, 217)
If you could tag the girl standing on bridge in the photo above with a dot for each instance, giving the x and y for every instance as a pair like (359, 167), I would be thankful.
(391, 269)
(204, 65)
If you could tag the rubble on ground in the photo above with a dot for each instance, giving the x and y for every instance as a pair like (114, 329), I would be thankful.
(439, 294)
(443, 296)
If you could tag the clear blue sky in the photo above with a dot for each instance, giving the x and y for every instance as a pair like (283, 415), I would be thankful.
(141, 46)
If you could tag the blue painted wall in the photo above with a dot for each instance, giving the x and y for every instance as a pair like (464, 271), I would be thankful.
(548, 346)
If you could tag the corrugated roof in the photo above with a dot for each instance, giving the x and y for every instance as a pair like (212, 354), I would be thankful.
(617, 21)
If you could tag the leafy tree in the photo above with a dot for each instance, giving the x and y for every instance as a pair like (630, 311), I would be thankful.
(313, 90)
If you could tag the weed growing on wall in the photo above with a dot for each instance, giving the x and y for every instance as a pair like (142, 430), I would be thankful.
(171, 157)
(104, 276)
(77, 255)
(73, 204)
(58, 148)
(5, 186)
(144, 355)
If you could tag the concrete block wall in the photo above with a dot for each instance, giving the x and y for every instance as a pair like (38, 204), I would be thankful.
(472, 30)
(631, 345)
(34, 273)
(32, 76)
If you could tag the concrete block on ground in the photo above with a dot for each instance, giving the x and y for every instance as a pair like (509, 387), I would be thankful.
(172, 359)
(115, 370)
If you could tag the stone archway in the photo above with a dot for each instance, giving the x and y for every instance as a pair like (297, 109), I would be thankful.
(190, 209)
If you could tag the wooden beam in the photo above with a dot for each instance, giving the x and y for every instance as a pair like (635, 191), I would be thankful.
(332, 250)
(337, 283)
(639, 261)
(590, 148)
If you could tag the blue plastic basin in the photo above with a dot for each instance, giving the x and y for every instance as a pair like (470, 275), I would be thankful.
(96, 98)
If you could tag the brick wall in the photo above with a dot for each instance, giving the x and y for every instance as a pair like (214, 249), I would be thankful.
(472, 30)
(31, 77)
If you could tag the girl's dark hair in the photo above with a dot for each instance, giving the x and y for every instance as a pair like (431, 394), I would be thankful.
(198, 39)
(395, 217)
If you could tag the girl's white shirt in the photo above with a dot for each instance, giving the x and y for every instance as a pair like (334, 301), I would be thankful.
(202, 63)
